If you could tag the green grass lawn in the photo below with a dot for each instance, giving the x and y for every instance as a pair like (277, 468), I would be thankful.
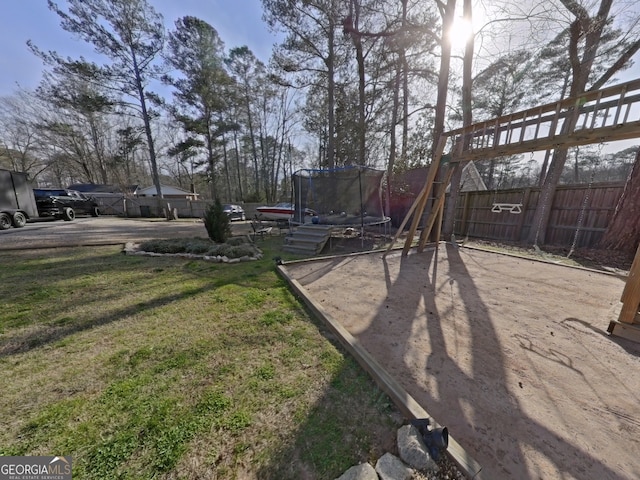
(154, 367)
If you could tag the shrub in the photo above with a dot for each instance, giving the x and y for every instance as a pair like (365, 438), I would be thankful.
(163, 246)
(217, 222)
(235, 247)
(233, 251)
(235, 241)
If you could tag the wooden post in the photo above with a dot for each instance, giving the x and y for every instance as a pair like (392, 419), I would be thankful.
(436, 213)
(627, 326)
(631, 294)
(418, 205)
(439, 221)
(433, 170)
(421, 203)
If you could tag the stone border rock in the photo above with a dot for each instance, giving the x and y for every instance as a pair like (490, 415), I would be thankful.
(131, 248)
(415, 462)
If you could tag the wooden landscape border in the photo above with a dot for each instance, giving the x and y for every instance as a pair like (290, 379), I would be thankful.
(400, 397)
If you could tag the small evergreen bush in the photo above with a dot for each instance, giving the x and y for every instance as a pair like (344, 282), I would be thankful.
(217, 222)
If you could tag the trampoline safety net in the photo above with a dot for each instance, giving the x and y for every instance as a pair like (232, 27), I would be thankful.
(340, 196)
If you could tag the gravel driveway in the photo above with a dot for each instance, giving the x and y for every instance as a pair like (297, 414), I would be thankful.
(103, 231)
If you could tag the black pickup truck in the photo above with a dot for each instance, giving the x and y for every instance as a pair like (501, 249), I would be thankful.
(63, 203)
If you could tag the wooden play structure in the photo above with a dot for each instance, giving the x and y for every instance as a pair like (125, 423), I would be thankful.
(606, 115)
(628, 323)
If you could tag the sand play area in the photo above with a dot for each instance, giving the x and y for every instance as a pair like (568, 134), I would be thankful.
(511, 354)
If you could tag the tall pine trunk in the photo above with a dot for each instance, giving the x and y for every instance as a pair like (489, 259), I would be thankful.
(623, 232)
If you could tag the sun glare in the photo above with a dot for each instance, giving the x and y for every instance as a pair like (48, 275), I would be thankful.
(460, 33)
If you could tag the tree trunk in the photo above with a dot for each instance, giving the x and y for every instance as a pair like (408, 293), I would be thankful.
(589, 30)
(405, 109)
(400, 73)
(362, 134)
(362, 129)
(541, 216)
(543, 168)
(252, 139)
(623, 232)
(447, 13)
(394, 121)
(279, 156)
(450, 212)
(147, 130)
(331, 87)
(240, 175)
(405, 93)
(211, 164)
(227, 172)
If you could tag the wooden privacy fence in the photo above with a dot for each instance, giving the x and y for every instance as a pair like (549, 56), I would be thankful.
(114, 204)
(582, 209)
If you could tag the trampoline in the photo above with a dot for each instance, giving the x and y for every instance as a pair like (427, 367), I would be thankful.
(347, 196)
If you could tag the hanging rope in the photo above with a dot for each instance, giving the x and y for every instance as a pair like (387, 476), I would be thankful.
(585, 201)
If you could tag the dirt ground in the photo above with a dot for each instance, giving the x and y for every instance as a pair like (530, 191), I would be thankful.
(510, 354)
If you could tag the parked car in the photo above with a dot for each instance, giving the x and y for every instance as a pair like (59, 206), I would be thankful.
(234, 212)
(63, 203)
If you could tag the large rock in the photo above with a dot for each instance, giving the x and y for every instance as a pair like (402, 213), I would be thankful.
(390, 467)
(364, 471)
(413, 450)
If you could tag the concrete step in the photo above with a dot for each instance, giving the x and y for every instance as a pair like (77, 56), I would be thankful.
(303, 239)
(307, 239)
(300, 249)
(313, 230)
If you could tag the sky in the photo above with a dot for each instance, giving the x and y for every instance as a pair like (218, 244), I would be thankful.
(238, 22)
